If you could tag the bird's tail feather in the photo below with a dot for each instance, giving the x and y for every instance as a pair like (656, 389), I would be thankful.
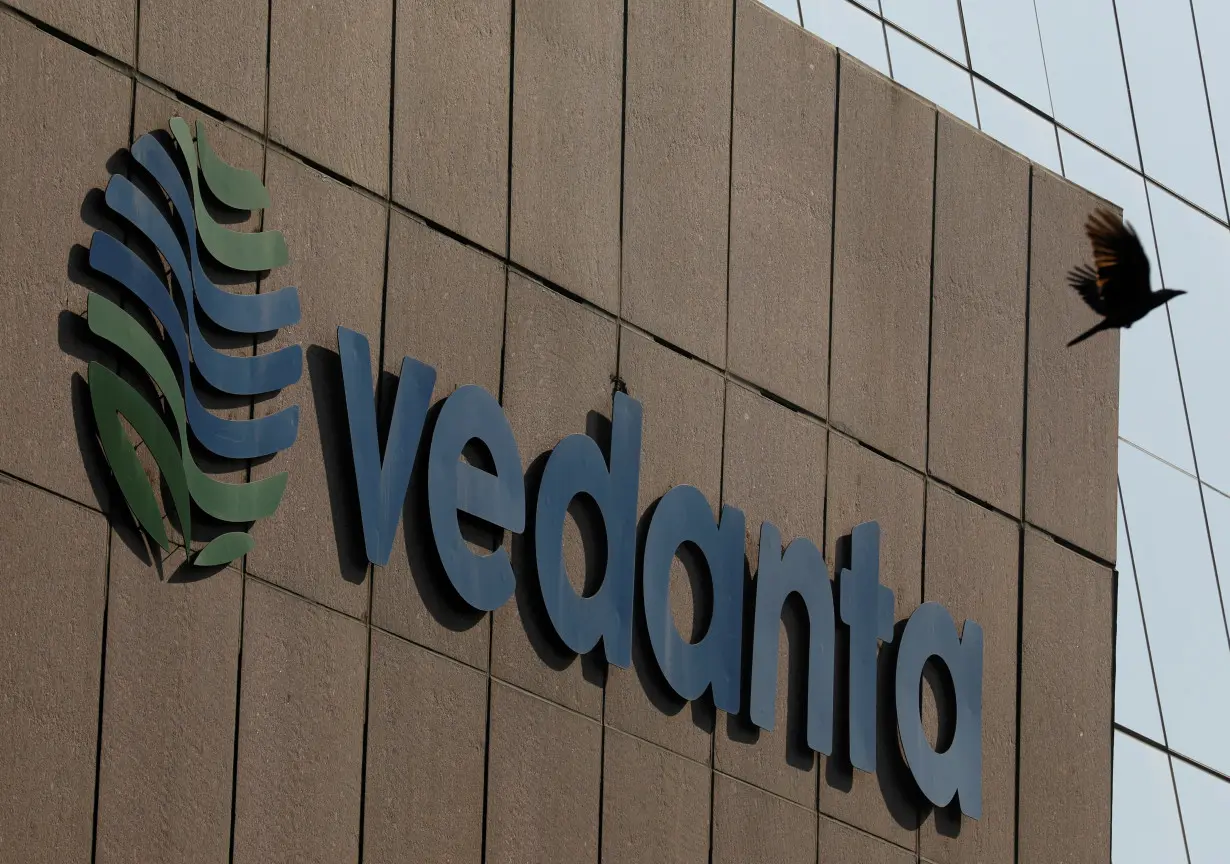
(1097, 328)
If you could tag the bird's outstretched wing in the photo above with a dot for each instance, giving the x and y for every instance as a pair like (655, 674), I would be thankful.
(1084, 280)
(1121, 264)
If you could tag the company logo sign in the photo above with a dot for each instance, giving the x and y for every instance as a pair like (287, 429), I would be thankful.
(181, 171)
(168, 210)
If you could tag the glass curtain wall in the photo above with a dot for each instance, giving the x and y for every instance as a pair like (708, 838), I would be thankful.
(1131, 99)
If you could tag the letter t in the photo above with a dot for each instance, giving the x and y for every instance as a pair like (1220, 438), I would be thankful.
(867, 609)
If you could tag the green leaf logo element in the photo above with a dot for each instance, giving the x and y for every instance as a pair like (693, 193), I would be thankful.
(166, 433)
(261, 251)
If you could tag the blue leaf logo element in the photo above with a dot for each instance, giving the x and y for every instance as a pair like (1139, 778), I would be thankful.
(180, 171)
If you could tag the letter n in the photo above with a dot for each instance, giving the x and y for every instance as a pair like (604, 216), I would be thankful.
(799, 570)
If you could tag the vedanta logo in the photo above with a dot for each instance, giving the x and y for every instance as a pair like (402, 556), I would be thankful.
(182, 231)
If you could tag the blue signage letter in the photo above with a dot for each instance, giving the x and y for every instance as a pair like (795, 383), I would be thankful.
(382, 487)
(471, 413)
(683, 515)
(867, 609)
(576, 467)
(957, 771)
(801, 569)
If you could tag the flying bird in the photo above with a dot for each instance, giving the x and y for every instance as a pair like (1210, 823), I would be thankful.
(1117, 286)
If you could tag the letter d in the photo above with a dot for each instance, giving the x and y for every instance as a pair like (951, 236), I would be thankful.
(576, 467)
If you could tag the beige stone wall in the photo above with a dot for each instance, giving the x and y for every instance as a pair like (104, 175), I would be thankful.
(835, 305)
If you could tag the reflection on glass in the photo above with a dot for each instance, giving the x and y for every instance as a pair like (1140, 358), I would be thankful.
(1081, 45)
(1182, 614)
(936, 22)
(1150, 401)
(1217, 508)
(1212, 25)
(1135, 698)
(1017, 126)
(1005, 47)
(849, 28)
(1167, 89)
(1205, 802)
(1145, 824)
(1194, 255)
(938, 79)
(785, 8)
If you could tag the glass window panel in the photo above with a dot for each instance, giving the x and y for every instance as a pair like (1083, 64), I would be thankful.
(1096, 171)
(936, 78)
(1205, 802)
(1150, 401)
(1135, 698)
(1017, 126)
(1167, 89)
(848, 27)
(1081, 45)
(936, 22)
(1182, 614)
(1092, 169)
(1217, 508)
(785, 8)
(1212, 27)
(1194, 254)
(1004, 46)
(1145, 824)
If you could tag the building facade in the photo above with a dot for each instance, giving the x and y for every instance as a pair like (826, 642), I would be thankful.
(1130, 99)
(832, 302)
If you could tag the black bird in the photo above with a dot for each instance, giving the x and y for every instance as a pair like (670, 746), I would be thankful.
(1118, 289)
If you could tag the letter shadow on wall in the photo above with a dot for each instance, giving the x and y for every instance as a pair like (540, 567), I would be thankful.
(324, 373)
(797, 626)
(896, 783)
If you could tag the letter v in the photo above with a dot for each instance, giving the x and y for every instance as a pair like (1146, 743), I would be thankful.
(382, 486)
